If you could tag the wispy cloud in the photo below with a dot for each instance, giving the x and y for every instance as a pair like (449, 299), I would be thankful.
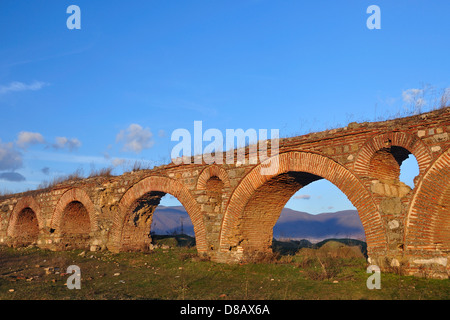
(25, 139)
(66, 158)
(302, 197)
(135, 138)
(17, 86)
(65, 143)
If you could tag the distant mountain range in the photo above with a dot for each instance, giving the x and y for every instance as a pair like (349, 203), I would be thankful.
(292, 224)
(296, 225)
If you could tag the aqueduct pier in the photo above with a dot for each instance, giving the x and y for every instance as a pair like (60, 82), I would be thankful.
(233, 207)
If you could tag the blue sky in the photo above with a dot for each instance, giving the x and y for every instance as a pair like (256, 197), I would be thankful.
(113, 91)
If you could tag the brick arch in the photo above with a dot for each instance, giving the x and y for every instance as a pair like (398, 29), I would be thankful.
(428, 219)
(317, 166)
(24, 203)
(165, 185)
(212, 171)
(395, 139)
(74, 195)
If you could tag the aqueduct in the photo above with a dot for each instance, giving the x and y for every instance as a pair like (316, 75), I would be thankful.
(233, 207)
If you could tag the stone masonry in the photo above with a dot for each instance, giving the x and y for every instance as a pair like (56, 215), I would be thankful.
(234, 207)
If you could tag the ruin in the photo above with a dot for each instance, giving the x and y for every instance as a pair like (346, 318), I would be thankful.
(233, 207)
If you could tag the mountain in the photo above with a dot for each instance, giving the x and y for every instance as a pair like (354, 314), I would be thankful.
(292, 224)
(296, 225)
(171, 220)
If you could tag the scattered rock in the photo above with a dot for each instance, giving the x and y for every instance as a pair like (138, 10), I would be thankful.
(49, 270)
(116, 274)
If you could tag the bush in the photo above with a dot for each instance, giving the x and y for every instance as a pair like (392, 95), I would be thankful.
(328, 261)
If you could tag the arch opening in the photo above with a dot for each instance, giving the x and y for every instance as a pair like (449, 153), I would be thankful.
(136, 229)
(397, 159)
(171, 224)
(316, 214)
(75, 226)
(428, 219)
(257, 201)
(171, 219)
(409, 171)
(266, 216)
(385, 163)
(153, 217)
(153, 188)
(214, 192)
(26, 229)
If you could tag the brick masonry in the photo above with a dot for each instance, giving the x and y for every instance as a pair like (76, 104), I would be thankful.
(234, 207)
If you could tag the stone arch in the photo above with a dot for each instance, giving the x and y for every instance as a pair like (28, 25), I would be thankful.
(394, 143)
(212, 171)
(158, 184)
(428, 219)
(25, 203)
(74, 195)
(314, 166)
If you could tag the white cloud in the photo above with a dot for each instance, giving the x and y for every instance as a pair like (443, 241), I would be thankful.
(17, 86)
(25, 139)
(66, 158)
(63, 142)
(136, 138)
(10, 159)
(303, 197)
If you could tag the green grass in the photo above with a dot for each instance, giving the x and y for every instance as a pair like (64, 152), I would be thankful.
(178, 273)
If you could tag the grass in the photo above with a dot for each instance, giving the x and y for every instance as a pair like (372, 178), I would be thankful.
(178, 273)
(75, 176)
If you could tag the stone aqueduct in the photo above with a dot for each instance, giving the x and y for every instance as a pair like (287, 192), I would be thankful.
(233, 207)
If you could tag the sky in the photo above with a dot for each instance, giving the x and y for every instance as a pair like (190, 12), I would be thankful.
(113, 92)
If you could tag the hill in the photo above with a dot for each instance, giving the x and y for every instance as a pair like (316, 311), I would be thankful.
(296, 225)
(292, 224)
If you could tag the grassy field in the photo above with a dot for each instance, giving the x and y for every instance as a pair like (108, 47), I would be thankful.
(177, 273)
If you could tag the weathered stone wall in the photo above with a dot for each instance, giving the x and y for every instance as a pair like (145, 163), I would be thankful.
(234, 207)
